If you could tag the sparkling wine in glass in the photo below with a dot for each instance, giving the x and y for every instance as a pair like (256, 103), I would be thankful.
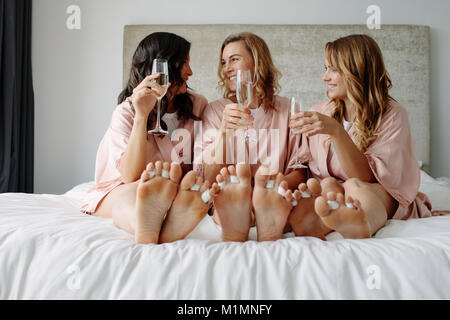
(295, 108)
(244, 90)
(160, 66)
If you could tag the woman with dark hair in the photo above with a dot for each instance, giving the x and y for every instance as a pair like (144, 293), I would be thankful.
(358, 147)
(137, 174)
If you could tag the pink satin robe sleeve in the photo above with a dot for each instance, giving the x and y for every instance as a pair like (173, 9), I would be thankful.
(391, 157)
(271, 130)
(115, 141)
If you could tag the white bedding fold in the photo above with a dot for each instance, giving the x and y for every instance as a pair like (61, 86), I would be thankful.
(49, 250)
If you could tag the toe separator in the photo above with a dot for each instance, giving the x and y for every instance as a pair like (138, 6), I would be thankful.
(294, 203)
(195, 187)
(349, 205)
(222, 185)
(270, 184)
(306, 194)
(152, 173)
(165, 174)
(281, 191)
(206, 196)
(234, 179)
(333, 204)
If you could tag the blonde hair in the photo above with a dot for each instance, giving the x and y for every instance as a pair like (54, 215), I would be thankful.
(359, 61)
(266, 75)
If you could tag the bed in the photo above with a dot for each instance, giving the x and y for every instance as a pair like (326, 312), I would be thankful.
(49, 250)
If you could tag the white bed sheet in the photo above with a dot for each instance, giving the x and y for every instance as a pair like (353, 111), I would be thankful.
(49, 250)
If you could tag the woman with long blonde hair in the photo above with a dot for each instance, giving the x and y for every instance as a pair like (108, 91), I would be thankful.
(358, 145)
(222, 144)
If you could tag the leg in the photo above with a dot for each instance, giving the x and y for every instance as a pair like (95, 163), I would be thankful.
(120, 205)
(303, 218)
(233, 202)
(272, 201)
(140, 207)
(155, 194)
(363, 210)
(188, 208)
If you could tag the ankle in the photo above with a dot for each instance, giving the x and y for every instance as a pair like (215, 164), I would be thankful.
(235, 236)
(144, 238)
(269, 236)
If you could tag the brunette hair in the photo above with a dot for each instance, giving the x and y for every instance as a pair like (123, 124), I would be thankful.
(176, 50)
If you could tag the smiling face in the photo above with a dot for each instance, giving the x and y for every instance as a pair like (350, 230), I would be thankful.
(235, 56)
(336, 86)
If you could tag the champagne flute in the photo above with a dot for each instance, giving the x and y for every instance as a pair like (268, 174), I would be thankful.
(295, 108)
(160, 66)
(244, 91)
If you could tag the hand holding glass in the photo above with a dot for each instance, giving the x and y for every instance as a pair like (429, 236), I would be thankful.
(160, 66)
(295, 108)
(244, 90)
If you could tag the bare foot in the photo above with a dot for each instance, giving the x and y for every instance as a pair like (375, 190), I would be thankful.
(303, 218)
(155, 193)
(347, 217)
(190, 206)
(272, 201)
(233, 202)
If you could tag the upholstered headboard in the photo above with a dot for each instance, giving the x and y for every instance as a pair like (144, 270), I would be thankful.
(297, 51)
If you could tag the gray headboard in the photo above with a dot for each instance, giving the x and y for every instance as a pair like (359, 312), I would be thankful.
(297, 51)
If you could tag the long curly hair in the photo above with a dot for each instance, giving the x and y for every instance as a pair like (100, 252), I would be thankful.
(359, 61)
(266, 75)
(176, 50)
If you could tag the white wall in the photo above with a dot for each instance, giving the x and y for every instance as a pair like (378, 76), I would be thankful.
(78, 73)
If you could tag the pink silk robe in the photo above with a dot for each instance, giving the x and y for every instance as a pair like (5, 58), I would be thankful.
(271, 129)
(391, 157)
(114, 144)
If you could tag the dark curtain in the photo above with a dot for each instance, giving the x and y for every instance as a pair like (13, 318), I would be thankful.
(16, 97)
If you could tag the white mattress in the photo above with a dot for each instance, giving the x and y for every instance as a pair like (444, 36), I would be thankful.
(49, 250)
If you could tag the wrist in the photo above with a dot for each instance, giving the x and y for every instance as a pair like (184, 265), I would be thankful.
(337, 132)
(139, 118)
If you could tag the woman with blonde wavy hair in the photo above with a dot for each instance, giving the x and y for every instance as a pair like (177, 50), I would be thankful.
(358, 145)
(222, 144)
